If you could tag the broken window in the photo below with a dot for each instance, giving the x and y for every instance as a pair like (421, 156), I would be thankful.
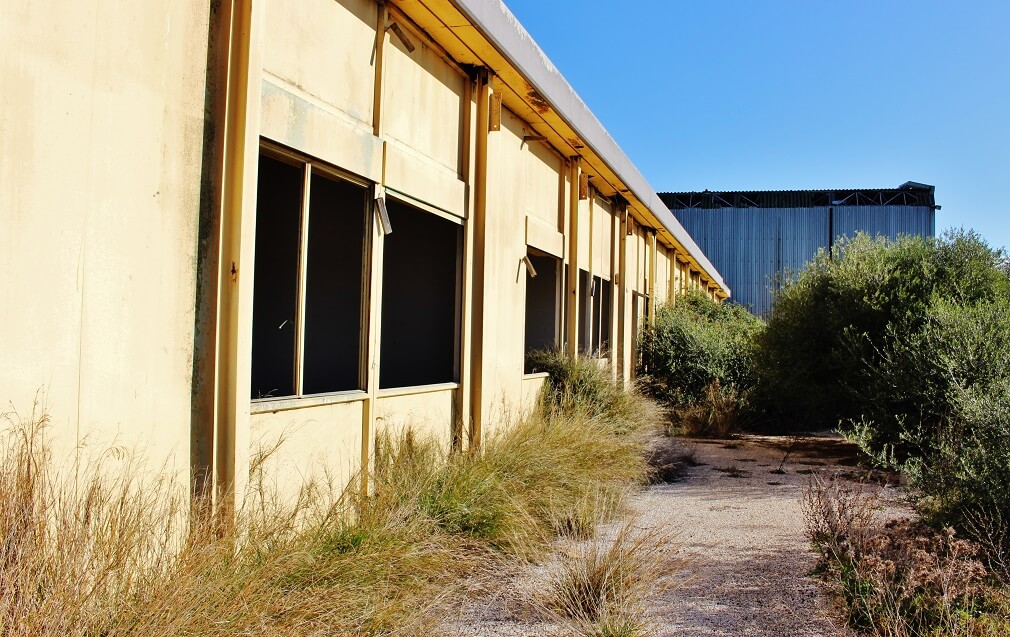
(601, 316)
(308, 280)
(420, 298)
(585, 312)
(639, 312)
(542, 303)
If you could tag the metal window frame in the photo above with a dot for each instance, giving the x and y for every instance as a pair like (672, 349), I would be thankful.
(311, 166)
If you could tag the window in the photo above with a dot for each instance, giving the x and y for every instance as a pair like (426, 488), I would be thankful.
(601, 317)
(585, 312)
(594, 323)
(309, 280)
(542, 303)
(421, 279)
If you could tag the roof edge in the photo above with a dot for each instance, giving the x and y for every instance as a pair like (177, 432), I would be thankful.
(497, 23)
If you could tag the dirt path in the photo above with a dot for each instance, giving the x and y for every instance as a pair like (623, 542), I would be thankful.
(741, 531)
(736, 518)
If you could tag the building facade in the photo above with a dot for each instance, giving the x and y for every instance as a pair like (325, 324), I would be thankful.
(224, 223)
(757, 238)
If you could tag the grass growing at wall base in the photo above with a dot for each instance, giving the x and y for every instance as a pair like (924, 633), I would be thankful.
(108, 554)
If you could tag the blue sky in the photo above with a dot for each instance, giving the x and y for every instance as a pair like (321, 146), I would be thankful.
(734, 95)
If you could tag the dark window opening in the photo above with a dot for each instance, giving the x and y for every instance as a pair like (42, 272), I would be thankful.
(542, 304)
(275, 278)
(420, 299)
(585, 312)
(326, 329)
(601, 317)
(334, 291)
(639, 310)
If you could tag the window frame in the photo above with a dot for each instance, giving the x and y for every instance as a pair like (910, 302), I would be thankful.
(309, 167)
(559, 303)
(424, 208)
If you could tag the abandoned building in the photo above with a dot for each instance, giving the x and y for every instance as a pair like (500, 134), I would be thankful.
(236, 221)
(756, 238)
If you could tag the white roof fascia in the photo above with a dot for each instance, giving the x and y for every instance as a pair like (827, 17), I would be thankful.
(504, 31)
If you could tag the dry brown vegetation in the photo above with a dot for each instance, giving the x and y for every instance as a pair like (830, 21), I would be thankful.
(600, 588)
(901, 577)
(107, 553)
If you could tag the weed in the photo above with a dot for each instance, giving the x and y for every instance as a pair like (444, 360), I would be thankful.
(732, 471)
(101, 551)
(717, 415)
(901, 578)
(669, 461)
(599, 588)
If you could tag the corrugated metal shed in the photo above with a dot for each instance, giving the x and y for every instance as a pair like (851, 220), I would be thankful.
(756, 238)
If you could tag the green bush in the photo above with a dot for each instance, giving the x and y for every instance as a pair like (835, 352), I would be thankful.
(696, 344)
(834, 319)
(905, 346)
(939, 408)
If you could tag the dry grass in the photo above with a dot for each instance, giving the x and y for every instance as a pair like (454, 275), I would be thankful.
(599, 588)
(901, 578)
(107, 553)
(717, 415)
(670, 460)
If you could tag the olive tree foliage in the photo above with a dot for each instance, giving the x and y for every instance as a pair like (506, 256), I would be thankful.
(905, 346)
(835, 320)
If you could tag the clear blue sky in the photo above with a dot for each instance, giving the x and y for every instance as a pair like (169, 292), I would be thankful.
(737, 95)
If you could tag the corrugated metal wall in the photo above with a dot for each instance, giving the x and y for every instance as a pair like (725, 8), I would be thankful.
(752, 246)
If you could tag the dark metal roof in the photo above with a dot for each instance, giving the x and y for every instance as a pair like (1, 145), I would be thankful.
(909, 193)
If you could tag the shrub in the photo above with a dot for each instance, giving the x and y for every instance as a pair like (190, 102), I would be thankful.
(835, 318)
(940, 410)
(696, 344)
(900, 578)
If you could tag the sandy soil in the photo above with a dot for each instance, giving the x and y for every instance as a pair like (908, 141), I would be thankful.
(744, 560)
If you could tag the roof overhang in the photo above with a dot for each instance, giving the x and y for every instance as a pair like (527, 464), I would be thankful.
(485, 33)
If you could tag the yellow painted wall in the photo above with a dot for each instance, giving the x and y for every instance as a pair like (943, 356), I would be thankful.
(429, 413)
(519, 179)
(307, 40)
(602, 237)
(100, 193)
(542, 185)
(422, 102)
(662, 275)
(101, 139)
(309, 444)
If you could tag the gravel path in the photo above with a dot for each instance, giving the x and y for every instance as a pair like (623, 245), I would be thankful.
(741, 531)
(744, 558)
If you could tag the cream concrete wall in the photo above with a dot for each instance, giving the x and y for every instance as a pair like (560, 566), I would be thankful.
(603, 236)
(101, 133)
(662, 275)
(324, 108)
(320, 443)
(324, 49)
(532, 386)
(638, 260)
(429, 411)
(101, 163)
(585, 235)
(505, 276)
(544, 196)
(422, 102)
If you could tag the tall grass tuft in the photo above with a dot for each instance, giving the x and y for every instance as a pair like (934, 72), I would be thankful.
(112, 549)
(600, 588)
(584, 388)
